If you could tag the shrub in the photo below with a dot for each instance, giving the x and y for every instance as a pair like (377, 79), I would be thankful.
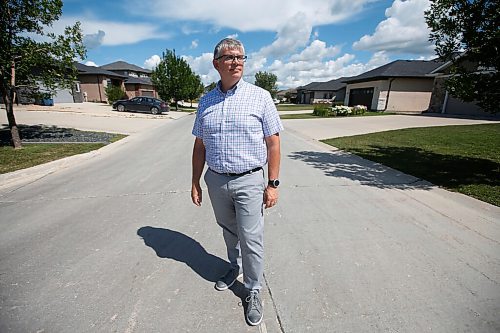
(341, 110)
(322, 109)
(114, 93)
(359, 109)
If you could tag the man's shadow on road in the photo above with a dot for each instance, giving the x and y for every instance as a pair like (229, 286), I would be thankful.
(177, 246)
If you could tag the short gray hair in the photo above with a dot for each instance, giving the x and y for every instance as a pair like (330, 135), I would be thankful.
(228, 43)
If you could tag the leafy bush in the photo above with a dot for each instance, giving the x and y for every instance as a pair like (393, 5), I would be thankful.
(359, 109)
(114, 93)
(341, 110)
(321, 109)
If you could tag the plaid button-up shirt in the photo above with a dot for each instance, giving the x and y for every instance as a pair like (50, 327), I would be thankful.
(233, 126)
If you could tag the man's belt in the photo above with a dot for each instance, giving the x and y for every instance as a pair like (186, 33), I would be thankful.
(237, 174)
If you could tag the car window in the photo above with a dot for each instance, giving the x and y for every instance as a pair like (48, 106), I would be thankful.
(135, 99)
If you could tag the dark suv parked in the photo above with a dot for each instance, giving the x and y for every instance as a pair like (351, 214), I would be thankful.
(141, 104)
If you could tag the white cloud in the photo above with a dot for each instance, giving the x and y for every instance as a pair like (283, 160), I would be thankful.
(194, 44)
(316, 50)
(90, 63)
(92, 41)
(404, 30)
(234, 36)
(299, 69)
(188, 30)
(251, 15)
(110, 33)
(152, 62)
(294, 34)
(296, 55)
(202, 66)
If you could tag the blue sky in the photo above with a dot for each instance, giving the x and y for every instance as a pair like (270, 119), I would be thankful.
(300, 41)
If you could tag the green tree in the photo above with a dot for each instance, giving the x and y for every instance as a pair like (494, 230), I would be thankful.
(267, 81)
(172, 77)
(30, 56)
(196, 88)
(210, 87)
(469, 28)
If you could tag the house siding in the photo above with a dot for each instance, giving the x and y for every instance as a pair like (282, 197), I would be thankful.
(410, 95)
(134, 90)
(397, 94)
(93, 87)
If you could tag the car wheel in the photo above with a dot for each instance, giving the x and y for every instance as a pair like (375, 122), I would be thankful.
(120, 108)
(155, 110)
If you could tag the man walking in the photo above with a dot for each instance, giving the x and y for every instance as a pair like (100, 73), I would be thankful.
(237, 132)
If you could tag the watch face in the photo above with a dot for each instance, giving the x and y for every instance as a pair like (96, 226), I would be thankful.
(274, 183)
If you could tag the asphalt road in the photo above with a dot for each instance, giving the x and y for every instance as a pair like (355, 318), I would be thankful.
(113, 244)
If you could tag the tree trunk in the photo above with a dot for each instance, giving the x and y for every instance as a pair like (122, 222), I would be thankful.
(14, 130)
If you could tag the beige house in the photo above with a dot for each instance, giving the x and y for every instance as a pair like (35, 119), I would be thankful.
(399, 86)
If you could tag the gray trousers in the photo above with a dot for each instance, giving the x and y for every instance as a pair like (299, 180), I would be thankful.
(238, 206)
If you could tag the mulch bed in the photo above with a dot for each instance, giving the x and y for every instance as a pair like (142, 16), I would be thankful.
(53, 134)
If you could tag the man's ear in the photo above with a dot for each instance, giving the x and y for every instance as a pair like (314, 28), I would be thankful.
(216, 64)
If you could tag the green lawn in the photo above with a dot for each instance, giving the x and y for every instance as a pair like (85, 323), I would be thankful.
(311, 116)
(464, 159)
(34, 154)
(294, 107)
(42, 152)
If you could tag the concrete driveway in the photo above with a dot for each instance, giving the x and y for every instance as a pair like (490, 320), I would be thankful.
(326, 128)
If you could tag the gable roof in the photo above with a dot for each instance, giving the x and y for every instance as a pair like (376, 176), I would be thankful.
(92, 70)
(308, 86)
(332, 85)
(124, 66)
(398, 68)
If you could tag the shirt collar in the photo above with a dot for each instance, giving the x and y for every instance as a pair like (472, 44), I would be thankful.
(232, 90)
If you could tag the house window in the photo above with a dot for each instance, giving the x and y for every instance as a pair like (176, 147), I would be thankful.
(77, 86)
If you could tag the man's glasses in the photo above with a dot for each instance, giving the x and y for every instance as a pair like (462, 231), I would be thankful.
(232, 57)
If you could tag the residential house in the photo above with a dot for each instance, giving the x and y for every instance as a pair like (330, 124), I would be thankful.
(138, 79)
(94, 80)
(305, 95)
(399, 86)
(288, 95)
(317, 92)
(443, 102)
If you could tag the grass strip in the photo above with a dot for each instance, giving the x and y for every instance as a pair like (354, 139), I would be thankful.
(462, 158)
(39, 153)
(294, 107)
(311, 116)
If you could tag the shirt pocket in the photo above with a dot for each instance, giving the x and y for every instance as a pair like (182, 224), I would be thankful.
(249, 124)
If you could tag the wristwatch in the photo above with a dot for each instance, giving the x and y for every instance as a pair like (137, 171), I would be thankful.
(273, 183)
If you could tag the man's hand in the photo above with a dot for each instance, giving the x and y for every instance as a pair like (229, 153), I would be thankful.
(270, 197)
(196, 195)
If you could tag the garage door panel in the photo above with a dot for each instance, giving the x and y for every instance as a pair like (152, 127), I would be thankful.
(361, 96)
